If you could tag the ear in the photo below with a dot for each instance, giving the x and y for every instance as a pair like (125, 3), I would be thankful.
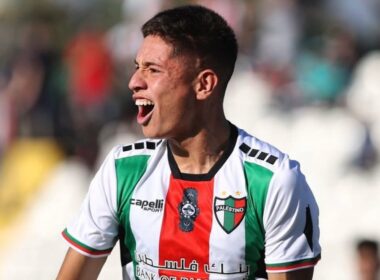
(205, 84)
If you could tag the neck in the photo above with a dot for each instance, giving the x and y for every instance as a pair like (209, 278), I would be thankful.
(198, 154)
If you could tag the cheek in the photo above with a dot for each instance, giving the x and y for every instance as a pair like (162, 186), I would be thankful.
(172, 96)
(175, 97)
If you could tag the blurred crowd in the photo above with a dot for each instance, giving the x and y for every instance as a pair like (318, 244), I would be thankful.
(65, 67)
(65, 64)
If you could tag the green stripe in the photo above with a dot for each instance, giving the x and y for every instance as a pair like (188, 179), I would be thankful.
(229, 216)
(76, 241)
(258, 179)
(129, 171)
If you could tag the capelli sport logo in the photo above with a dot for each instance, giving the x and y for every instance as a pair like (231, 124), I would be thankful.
(146, 205)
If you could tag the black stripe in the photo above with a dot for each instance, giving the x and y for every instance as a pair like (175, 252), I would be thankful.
(262, 155)
(139, 146)
(308, 230)
(127, 148)
(253, 153)
(244, 148)
(261, 268)
(271, 159)
(150, 145)
(125, 254)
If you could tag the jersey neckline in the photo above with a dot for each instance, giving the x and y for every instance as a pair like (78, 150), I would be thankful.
(204, 176)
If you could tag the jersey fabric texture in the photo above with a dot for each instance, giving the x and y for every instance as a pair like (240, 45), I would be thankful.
(253, 213)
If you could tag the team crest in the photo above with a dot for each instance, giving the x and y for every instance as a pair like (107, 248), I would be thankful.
(188, 209)
(229, 212)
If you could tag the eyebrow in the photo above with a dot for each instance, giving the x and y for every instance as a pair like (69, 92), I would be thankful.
(147, 63)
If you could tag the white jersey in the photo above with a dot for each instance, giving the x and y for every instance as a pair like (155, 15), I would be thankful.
(252, 213)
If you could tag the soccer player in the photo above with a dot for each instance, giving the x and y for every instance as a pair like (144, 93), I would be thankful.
(199, 198)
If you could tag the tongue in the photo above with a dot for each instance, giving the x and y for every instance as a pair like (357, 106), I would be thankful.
(143, 112)
(140, 113)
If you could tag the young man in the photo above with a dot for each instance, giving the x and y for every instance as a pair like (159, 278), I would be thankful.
(200, 198)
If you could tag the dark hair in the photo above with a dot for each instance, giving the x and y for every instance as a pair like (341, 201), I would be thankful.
(199, 31)
(367, 244)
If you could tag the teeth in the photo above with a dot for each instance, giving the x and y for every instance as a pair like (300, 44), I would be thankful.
(143, 102)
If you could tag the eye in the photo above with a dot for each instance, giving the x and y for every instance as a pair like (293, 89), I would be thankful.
(153, 70)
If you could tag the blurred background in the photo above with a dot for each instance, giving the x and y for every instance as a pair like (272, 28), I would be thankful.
(307, 80)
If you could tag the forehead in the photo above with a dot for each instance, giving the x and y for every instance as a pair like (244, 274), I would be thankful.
(154, 49)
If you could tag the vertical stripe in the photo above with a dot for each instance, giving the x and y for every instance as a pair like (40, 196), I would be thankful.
(228, 248)
(229, 216)
(177, 245)
(239, 203)
(258, 180)
(129, 171)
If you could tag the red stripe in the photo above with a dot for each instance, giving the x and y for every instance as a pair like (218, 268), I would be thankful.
(84, 249)
(289, 267)
(176, 244)
(238, 216)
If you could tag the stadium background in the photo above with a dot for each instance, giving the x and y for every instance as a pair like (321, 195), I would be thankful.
(307, 80)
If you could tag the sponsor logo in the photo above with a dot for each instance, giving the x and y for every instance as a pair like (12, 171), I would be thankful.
(145, 274)
(146, 205)
(147, 268)
(229, 212)
(188, 209)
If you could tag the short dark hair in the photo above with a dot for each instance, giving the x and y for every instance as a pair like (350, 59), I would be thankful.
(199, 31)
(367, 244)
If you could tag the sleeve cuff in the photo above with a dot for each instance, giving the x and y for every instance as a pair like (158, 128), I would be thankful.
(294, 265)
(83, 248)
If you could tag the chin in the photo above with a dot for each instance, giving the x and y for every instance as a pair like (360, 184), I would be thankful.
(149, 133)
(160, 131)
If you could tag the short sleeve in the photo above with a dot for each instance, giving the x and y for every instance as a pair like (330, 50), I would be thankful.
(94, 231)
(290, 221)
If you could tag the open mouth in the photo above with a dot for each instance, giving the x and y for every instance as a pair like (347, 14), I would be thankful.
(145, 110)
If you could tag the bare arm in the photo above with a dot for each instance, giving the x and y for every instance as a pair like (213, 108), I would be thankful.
(77, 266)
(302, 274)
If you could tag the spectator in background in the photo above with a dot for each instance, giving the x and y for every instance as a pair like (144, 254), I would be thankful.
(126, 32)
(278, 35)
(362, 100)
(368, 261)
(90, 71)
(360, 18)
(33, 90)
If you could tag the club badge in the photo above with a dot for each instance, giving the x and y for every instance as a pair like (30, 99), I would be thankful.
(188, 209)
(229, 212)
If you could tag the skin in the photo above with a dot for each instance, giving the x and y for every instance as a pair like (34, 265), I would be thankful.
(80, 267)
(368, 264)
(188, 111)
(302, 274)
(183, 96)
(160, 77)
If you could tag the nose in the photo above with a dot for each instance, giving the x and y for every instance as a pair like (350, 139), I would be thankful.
(137, 82)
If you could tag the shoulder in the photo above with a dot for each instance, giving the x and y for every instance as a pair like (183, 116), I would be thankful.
(257, 151)
(284, 170)
(132, 155)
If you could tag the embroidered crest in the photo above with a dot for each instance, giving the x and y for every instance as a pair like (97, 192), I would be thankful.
(188, 209)
(229, 212)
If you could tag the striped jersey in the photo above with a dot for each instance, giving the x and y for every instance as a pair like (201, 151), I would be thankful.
(253, 213)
